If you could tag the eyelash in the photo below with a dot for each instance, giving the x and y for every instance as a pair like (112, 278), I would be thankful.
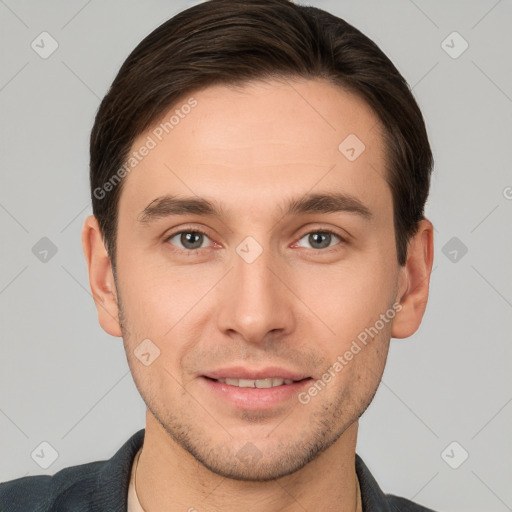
(196, 230)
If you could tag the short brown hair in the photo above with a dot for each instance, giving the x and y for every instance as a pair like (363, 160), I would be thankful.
(236, 41)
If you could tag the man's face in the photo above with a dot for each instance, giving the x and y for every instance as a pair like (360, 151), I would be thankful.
(262, 290)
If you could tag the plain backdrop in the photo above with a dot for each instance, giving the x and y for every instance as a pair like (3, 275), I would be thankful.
(446, 393)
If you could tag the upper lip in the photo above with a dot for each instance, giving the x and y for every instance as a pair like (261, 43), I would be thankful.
(240, 372)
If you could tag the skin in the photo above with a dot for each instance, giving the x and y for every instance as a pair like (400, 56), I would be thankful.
(296, 306)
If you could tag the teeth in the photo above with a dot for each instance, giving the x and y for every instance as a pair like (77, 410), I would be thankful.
(259, 383)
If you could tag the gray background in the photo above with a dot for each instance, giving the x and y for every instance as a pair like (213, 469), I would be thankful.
(63, 380)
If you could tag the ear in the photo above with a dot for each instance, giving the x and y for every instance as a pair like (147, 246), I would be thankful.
(101, 277)
(414, 280)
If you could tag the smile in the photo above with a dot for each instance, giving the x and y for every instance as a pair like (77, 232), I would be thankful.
(259, 383)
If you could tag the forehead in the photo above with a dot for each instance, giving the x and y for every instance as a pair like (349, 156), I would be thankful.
(251, 143)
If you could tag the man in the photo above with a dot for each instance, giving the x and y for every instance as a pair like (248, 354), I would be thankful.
(259, 172)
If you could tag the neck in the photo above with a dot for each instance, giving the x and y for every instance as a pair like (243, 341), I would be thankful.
(169, 478)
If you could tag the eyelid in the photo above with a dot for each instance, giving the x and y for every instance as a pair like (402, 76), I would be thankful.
(341, 233)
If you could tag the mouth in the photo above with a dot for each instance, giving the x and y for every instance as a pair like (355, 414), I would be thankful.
(261, 376)
(264, 394)
(270, 382)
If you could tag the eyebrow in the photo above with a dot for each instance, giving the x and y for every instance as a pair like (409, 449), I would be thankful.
(171, 205)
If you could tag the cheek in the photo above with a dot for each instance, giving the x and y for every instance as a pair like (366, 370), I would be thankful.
(363, 358)
(166, 305)
(350, 296)
(150, 289)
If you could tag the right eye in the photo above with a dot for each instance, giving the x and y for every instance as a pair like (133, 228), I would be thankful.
(190, 239)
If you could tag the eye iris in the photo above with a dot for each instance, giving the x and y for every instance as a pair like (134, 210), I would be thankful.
(186, 239)
(325, 236)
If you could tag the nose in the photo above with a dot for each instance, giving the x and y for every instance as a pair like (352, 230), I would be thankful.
(256, 300)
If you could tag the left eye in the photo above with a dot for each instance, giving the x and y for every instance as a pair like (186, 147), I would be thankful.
(189, 239)
(320, 239)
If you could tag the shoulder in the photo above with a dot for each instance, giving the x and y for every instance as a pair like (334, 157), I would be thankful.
(98, 485)
(28, 493)
(373, 498)
(41, 493)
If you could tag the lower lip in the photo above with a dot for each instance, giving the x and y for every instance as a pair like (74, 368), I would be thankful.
(256, 399)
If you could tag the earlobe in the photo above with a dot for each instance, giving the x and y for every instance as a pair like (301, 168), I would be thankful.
(414, 281)
(101, 278)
